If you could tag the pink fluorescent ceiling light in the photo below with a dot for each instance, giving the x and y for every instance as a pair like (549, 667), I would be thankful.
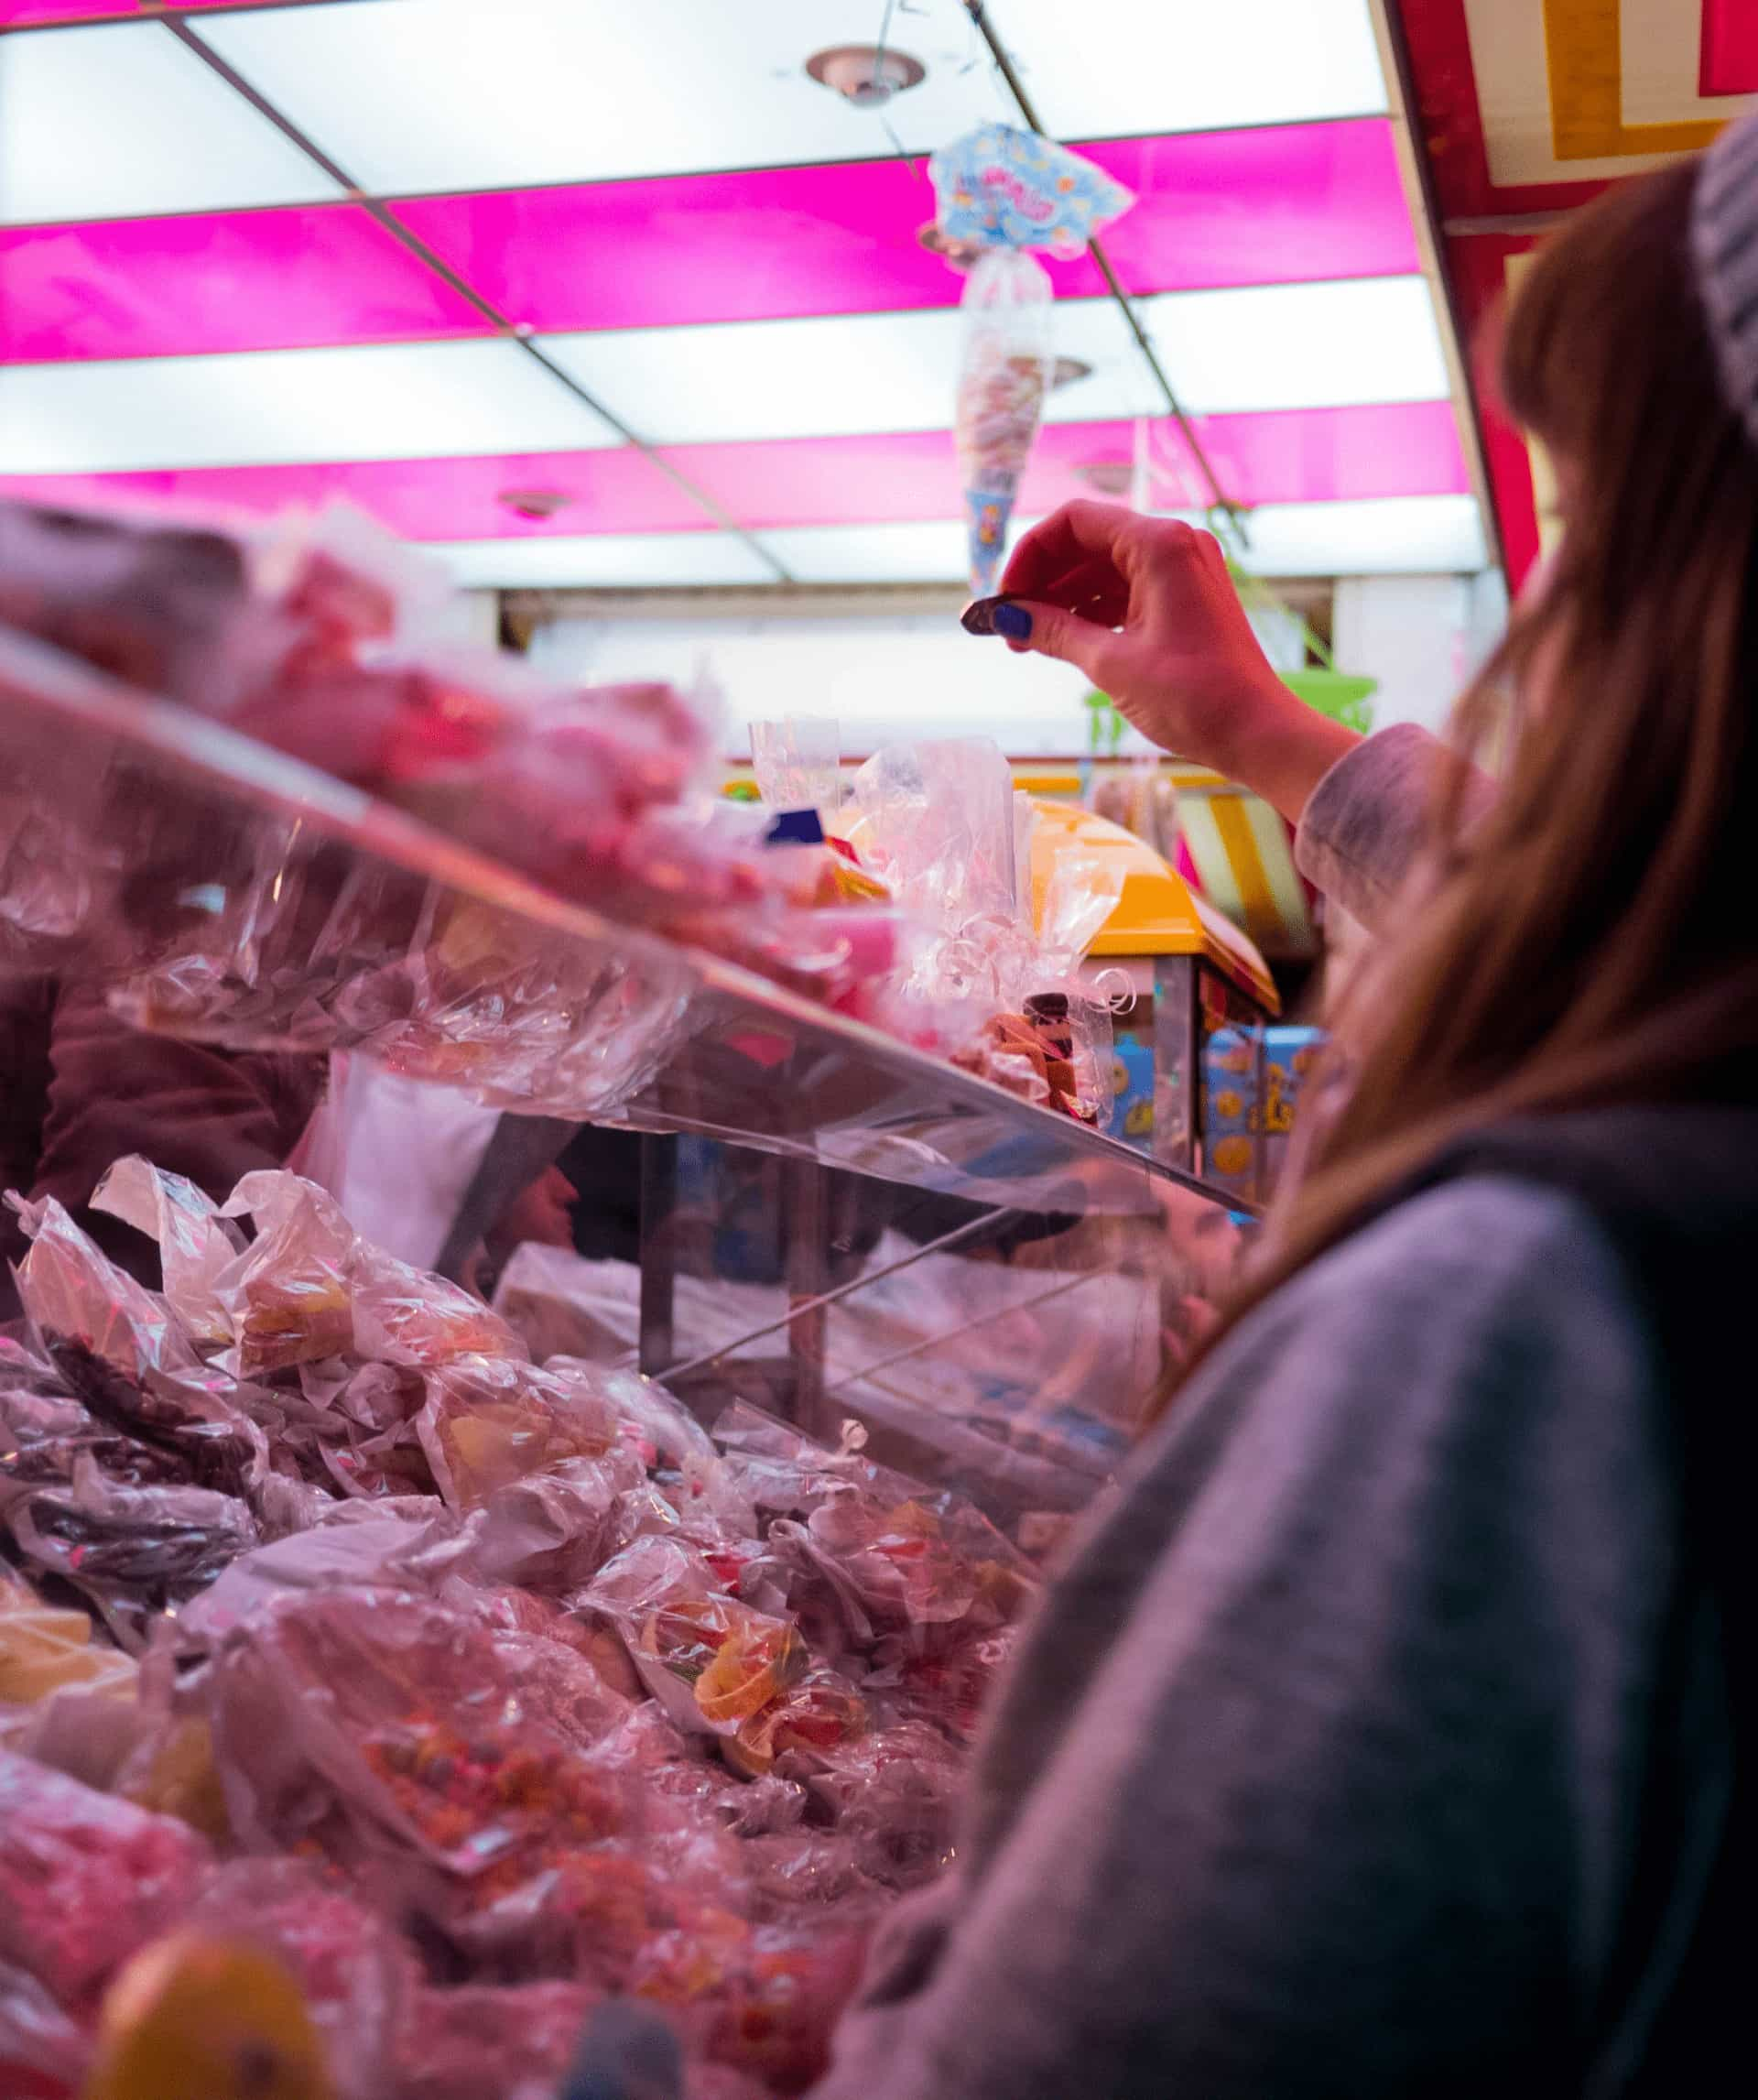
(1300, 456)
(1729, 47)
(1308, 455)
(290, 278)
(1277, 205)
(617, 490)
(27, 14)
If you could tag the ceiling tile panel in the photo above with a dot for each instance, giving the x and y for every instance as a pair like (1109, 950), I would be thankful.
(431, 95)
(32, 13)
(648, 560)
(833, 375)
(1413, 535)
(414, 95)
(1119, 67)
(122, 119)
(1277, 346)
(1301, 346)
(932, 553)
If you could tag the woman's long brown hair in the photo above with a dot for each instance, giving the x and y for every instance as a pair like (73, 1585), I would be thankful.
(1593, 937)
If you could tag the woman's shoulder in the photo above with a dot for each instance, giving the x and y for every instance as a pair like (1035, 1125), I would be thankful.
(1419, 1325)
(1484, 1237)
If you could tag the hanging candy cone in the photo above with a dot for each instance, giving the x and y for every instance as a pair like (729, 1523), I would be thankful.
(986, 512)
(1001, 193)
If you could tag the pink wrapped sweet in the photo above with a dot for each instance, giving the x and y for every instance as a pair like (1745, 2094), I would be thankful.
(84, 1878)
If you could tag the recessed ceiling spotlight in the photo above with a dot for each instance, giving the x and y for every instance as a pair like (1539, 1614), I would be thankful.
(1110, 477)
(865, 75)
(1066, 370)
(534, 503)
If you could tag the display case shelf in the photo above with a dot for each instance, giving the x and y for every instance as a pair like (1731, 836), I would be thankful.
(238, 897)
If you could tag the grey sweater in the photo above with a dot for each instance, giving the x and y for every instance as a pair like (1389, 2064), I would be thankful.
(1318, 1772)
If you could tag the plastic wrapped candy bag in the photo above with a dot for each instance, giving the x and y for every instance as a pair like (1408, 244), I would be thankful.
(1004, 192)
(895, 1793)
(947, 1686)
(195, 1243)
(404, 1741)
(994, 978)
(161, 603)
(287, 1296)
(924, 1561)
(934, 822)
(787, 1475)
(513, 2040)
(185, 1418)
(661, 1429)
(489, 1422)
(762, 1999)
(550, 1530)
(43, 2054)
(815, 1716)
(710, 1661)
(43, 1652)
(404, 1316)
(354, 1972)
(75, 1294)
(84, 1878)
(133, 1550)
(383, 1549)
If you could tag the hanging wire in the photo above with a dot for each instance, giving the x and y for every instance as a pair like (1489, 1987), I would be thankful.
(911, 160)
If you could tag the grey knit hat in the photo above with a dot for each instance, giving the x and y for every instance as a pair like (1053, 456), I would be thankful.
(1724, 250)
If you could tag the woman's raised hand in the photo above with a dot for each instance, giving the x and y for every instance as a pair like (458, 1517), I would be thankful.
(1145, 607)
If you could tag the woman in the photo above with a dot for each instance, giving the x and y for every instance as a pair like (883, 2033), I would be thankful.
(1387, 1734)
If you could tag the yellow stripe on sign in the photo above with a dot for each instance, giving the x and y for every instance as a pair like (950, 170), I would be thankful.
(1256, 900)
(1584, 55)
(1214, 870)
(1275, 857)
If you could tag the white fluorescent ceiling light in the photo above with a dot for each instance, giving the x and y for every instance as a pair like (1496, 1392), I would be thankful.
(378, 401)
(121, 120)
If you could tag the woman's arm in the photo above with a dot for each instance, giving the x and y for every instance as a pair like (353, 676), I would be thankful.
(1315, 1776)
(1146, 608)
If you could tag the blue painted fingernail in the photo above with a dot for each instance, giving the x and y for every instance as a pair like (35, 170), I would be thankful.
(1013, 621)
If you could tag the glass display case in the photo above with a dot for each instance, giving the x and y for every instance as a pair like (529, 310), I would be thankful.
(624, 1637)
(832, 1225)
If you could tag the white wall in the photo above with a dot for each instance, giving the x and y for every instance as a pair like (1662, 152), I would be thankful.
(1421, 636)
(891, 677)
(886, 677)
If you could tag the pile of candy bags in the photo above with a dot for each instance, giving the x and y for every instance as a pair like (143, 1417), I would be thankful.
(479, 1691)
(216, 919)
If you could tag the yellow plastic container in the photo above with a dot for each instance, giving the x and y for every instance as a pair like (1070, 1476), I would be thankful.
(1158, 913)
